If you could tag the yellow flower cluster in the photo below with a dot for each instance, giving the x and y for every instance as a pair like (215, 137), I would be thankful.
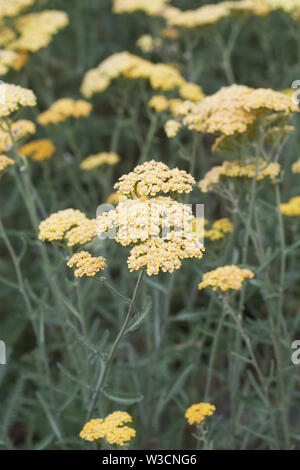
(159, 103)
(191, 91)
(15, 97)
(162, 76)
(296, 167)
(232, 109)
(36, 30)
(13, 7)
(225, 278)
(291, 208)
(197, 413)
(38, 150)
(138, 220)
(152, 178)
(111, 428)
(69, 223)
(86, 264)
(8, 59)
(5, 162)
(161, 227)
(82, 233)
(171, 128)
(128, 6)
(19, 129)
(237, 169)
(94, 161)
(210, 14)
(219, 229)
(164, 253)
(63, 109)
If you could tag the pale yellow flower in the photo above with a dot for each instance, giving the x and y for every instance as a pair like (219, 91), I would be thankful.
(63, 109)
(111, 428)
(197, 413)
(86, 264)
(291, 208)
(94, 161)
(225, 278)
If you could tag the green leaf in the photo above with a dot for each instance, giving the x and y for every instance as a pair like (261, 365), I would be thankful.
(178, 383)
(123, 398)
(139, 319)
(86, 343)
(69, 305)
(9, 283)
(242, 358)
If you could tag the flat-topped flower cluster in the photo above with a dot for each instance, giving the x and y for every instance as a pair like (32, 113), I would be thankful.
(160, 227)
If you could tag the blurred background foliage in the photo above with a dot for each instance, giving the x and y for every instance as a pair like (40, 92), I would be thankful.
(161, 367)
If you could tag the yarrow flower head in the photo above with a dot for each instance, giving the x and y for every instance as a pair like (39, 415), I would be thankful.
(164, 254)
(210, 14)
(197, 413)
(70, 224)
(15, 97)
(191, 91)
(152, 178)
(218, 229)
(103, 158)
(129, 6)
(291, 208)
(5, 162)
(86, 264)
(38, 150)
(225, 278)
(13, 7)
(249, 169)
(8, 59)
(148, 43)
(36, 30)
(14, 131)
(171, 128)
(233, 109)
(138, 219)
(82, 233)
(111, 428)
(64, 109)
(159, 103)
(164, 76)
(160, 227)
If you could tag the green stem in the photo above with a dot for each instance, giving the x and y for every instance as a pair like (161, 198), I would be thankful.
(149, 137)
(27, 191)
(213, 355)
(116, 343)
